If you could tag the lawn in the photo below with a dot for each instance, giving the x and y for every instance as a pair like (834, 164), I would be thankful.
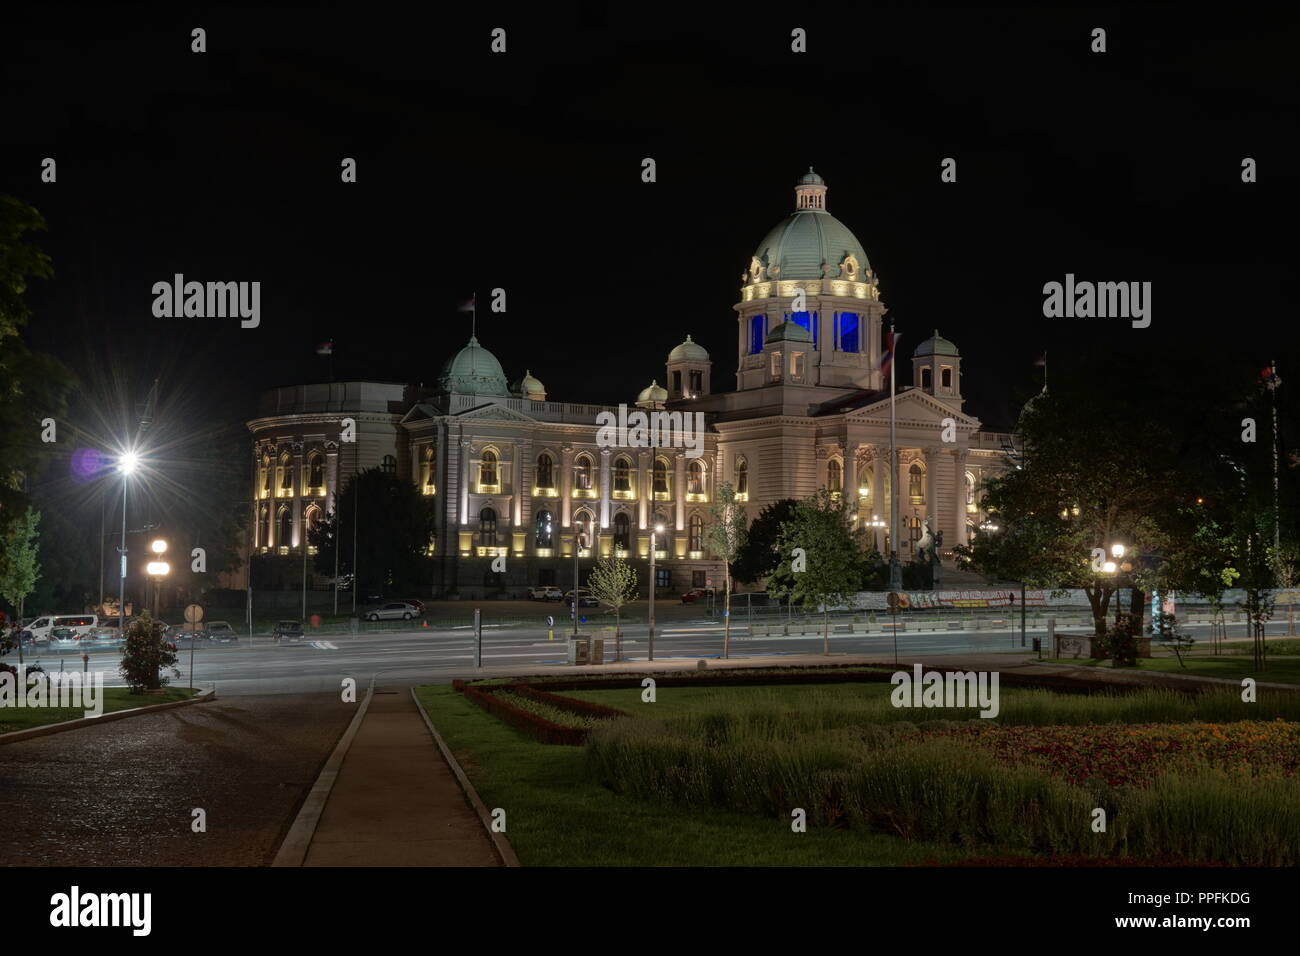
(558, 816)
(1233, 665)
(115, 698)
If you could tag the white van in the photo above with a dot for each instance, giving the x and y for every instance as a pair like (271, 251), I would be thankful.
(79, 624)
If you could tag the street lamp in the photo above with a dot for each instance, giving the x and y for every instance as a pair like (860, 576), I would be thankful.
(656, 530)
(157, 569)
(126, 464)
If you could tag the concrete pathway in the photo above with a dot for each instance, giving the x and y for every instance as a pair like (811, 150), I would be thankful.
(396, 802)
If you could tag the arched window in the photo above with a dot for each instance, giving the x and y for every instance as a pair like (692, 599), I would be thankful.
(622, 531)
(388, 465)
(266, 477)
(834, 475)
(286, 477)
(316, 470)
(622, 474)
(264, 529)
(914, 529)
(582, 473)
(284, 528)
(742, 477)
(916, 484)
(695, 477)
(487, 528)
(545, 470)
(487, 468)
(312, 518)
(970, 492)
(543, 535)
(661, 477)
(696, 535)
(864, 482)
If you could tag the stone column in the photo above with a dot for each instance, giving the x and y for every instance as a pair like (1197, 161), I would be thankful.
(466, 452)
(932, 510)
(566, 485)
(679, 490)
(331, 475)
(959, 457)
(643, 489)
(257, 501)
(604, 488)
(296, 540)
(517, 486)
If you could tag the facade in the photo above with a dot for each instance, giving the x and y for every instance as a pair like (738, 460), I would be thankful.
(518, 476)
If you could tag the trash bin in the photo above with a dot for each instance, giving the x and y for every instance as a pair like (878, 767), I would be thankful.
(1038, 645)
(597, 650)
(577, 652)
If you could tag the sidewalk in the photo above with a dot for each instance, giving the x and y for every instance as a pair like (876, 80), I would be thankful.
(396, 802)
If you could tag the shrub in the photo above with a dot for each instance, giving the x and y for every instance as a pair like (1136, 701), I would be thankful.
(146, 656)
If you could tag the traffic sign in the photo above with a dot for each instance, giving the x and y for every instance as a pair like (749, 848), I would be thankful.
(193, 614)
(550, 621)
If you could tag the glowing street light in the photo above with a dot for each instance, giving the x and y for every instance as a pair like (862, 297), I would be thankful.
(159, 547)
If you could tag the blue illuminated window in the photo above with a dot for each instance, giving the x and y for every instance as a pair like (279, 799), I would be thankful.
(756, 333)
(847, 332)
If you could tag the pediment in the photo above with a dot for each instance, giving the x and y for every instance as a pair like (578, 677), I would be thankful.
(492, 412)
(913, 405)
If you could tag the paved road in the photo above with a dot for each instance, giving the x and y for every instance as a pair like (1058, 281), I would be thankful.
(122, 794)
(426, 655)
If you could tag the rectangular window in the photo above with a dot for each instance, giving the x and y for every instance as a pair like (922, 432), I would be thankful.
(945, 376)
(796, 365)
(848, 332)
(776, 365)
(697, 579)
(756, 333)
(663, 577)
(677, 383)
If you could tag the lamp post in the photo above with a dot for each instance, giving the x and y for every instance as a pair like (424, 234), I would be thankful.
(579, 542)
(1114, 567)
(158, 569)
(126, 464)
(654, 533)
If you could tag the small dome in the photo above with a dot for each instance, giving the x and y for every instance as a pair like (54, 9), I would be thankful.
(936, 345)
(473, 371)
(530, 387)
(788, 332)
(652, 394)
(688, 351)
(811, 177)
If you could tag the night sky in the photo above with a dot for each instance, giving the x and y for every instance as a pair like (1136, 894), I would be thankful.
(523, 171)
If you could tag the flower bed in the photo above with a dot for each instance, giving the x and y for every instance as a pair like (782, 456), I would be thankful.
(1120, 755)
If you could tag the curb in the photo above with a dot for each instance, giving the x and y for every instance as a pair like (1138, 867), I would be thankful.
(16, 735)
(293, 851)
(499, 842)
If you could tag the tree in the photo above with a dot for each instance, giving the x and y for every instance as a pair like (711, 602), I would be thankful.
(19, 568)
(613, 583)
(145, 655)
(822, 561)
(394, 530)
(758, 555)
(726, 536)
(1104, 465)
(33, 387)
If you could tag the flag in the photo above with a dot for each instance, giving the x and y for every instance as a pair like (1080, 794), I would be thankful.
(325, 348)
(466, 305)
(887, 357)
(1041, 361)
(1270, 376)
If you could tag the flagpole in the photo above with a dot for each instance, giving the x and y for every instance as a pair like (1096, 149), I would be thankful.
(1277, 537)
(895, 569)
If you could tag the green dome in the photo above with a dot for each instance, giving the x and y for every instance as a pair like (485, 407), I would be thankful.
(788, 332)
(688, 351)
(936, 345)
(653, 394)
(473, 371)
(811, 177)
(798, 246)
(530, 387)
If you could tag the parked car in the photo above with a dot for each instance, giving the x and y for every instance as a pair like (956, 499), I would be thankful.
(43, 627)
(63, 637)
(392, 611)
(585, 598)
(220, 632)
(179, 636)
(699, 594)
(418, 605)
(545, 592)
(289, 632)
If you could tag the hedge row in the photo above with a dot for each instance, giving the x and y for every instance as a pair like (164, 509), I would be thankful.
(539, 728)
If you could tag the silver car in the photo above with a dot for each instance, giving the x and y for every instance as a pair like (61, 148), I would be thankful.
(392, 611)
